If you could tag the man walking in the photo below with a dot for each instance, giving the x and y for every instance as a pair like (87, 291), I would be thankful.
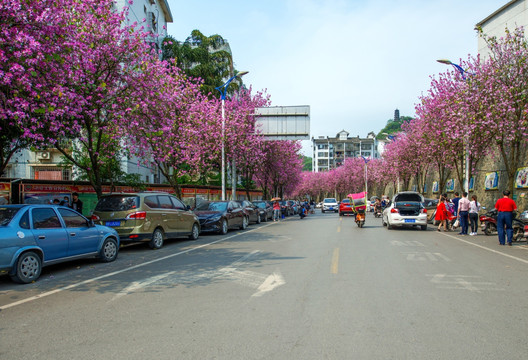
(463, 213)
(455, 201)
(505, 207)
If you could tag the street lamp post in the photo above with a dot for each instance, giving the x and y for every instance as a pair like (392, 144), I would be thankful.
(223, 91)
(466, 140)
(366, 160)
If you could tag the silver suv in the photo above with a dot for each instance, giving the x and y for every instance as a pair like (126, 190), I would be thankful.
(330, 204)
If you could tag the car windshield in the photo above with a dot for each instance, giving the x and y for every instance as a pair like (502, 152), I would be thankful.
(330, 200)
(260, 205)
(117, 203)
(345, 201)
(6, 215)
(212, 206)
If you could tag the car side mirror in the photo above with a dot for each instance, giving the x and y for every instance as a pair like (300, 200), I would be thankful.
(91, 223)
(188, 207)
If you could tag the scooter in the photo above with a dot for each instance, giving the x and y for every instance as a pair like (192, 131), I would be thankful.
(360, 217)
(377, 211)
(488, 222)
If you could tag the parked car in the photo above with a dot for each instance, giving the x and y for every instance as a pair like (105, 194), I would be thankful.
(220, 216)
(345, 207)
(295, 206)
(147, 216)
(319, 205)
(430, 205)
(265, 209)
(33, 236)
(406, 209)
(330, 204)
(251, 210)
(286, 208)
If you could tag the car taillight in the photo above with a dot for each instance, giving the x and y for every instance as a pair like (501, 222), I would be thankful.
(394, 211)
(424, 211)
(139, 215)
(95, 217)
(525, 227)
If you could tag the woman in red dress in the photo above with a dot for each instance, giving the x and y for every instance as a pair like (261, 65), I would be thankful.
(441, 213)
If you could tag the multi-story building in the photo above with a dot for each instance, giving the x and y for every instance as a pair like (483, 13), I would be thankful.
(331, 152)
(512, 15)
(152, 15)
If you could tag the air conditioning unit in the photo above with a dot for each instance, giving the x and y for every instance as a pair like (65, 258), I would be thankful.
(43, 155)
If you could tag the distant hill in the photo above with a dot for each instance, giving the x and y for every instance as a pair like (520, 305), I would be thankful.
(393, 126)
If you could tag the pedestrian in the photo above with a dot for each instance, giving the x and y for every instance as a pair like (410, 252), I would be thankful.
(463, 214)
(56, 202)
(302, 214)
(441, 213)
(276, 210)
(455, 201)
(474, 208)
(65, 201)
(505, 207)
(76, 203)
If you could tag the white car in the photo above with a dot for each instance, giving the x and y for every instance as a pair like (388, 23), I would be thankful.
(406, 209)
(330, 204)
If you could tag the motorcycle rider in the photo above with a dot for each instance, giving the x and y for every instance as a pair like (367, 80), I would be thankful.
(377, 206)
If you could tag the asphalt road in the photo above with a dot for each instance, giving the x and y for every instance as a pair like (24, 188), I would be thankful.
(317, 288)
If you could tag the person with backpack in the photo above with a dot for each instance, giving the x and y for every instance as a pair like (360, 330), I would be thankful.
(474, 208)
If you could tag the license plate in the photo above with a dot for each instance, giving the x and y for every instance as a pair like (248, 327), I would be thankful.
(330, 208)
(113, 223)
(410, 220)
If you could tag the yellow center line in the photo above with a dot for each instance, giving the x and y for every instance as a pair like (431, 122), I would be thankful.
(335, 261)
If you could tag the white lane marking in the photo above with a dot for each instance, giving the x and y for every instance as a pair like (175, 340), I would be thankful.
(488, 249)
(406, 243)
(72, 286)
(464, 282)
(424, 256)
(136, 285)
(271, 282)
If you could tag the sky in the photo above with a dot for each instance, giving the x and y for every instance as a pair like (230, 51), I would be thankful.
(352, 61)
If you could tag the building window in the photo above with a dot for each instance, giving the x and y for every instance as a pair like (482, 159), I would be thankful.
(322, 162)
(322, 154)
(51, 173)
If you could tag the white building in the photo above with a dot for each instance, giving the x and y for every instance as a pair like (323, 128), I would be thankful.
(331, 152)
(153, 15)
(512, 15)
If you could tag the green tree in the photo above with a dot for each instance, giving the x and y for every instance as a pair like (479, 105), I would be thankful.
(307, 163)
(206, 57)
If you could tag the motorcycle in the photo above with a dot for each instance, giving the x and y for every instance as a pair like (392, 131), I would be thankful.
(488, 222)
(378, 212)
(360, 217)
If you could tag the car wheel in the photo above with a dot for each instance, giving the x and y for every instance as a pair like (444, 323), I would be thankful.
(383, 223)
(424, 227)
(244, 223)
(28, 268)
(389, 226)
(323, 211)
(109, 250)
(224, 228)
(157, 239)
(195, 232)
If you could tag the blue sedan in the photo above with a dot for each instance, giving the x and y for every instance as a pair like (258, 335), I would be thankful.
(33, 236)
